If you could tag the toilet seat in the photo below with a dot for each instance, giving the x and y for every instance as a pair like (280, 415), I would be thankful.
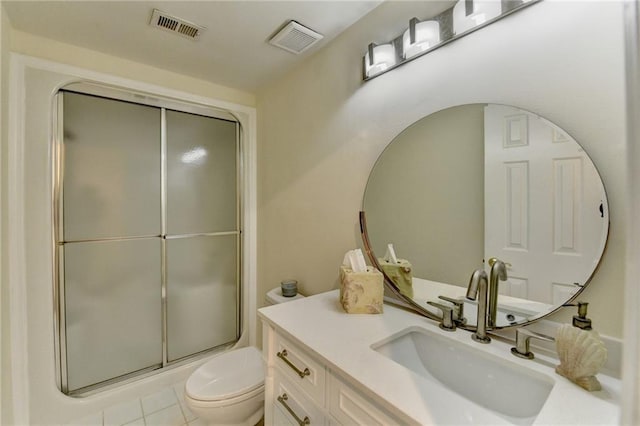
(234, 375)
(257, 392)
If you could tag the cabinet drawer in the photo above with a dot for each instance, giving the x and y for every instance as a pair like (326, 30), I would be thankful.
(281, 417)
(300, 369)
(292, 407)
(350, 407)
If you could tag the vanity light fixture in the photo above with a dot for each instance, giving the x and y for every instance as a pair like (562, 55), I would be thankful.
(419, 37)
(379, 58)
(468, 14)
(422, 37)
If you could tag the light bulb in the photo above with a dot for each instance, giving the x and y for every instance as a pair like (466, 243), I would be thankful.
(482, 11)
(427, 35)
(384, 57)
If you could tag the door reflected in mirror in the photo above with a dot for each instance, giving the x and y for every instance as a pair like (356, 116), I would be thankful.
(482, 181)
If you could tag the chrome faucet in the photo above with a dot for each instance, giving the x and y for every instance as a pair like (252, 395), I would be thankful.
(497, 272)
(523, 336)
(447, 323)
(479, 284)
(458, 309)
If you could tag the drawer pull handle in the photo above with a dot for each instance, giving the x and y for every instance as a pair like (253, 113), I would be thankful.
(283, 400)
(283, 356)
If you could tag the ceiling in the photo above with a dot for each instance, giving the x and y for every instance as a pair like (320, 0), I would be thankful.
(233, 50)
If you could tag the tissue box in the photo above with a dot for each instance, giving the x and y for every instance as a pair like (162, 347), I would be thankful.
(361, 292)
(400, 274)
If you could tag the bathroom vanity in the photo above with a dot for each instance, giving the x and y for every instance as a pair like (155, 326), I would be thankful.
(329, 367)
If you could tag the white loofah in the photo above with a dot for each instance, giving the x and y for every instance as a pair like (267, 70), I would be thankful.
(582, 354)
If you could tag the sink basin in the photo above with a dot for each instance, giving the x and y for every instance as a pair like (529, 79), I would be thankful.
(506, 388)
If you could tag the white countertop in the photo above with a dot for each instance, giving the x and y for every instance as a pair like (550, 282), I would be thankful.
(343, 342)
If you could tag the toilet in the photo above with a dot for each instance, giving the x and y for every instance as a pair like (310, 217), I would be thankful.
(229, 389)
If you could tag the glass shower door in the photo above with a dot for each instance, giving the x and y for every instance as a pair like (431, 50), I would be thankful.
(109, 244)
(113, 309)
(148, 244)
(202, 234)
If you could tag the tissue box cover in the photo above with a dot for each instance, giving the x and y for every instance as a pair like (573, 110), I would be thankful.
(400, 274)
(361, 292)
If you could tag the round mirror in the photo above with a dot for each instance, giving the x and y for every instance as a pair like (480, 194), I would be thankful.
(482, 181)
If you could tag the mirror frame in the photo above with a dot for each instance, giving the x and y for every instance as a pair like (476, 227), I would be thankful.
(388, 282)
(408, 303)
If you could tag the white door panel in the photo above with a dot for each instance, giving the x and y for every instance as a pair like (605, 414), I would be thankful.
(542, 206)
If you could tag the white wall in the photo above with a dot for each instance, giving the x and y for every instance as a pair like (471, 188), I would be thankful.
(5, 395)
(321, 128)
(32, 45)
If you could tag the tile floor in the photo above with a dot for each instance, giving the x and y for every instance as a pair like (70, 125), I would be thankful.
(163, 408)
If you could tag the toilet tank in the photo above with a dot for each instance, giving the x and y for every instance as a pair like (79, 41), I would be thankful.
(274, 296)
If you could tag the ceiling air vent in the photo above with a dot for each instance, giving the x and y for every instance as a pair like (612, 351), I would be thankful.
(295, 38)
(176, 25)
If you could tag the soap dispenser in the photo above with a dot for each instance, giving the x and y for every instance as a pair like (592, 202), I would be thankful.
(580, 350)
(581, 321)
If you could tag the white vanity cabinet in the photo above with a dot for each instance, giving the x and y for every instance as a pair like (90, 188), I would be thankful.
(337, 372)
(300, 389)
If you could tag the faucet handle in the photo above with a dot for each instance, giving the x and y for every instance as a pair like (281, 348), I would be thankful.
(523, 336)
(447, 323)
(458, 309)
(493, 260)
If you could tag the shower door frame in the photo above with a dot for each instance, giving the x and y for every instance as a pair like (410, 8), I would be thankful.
(34, 387)
(163, 105)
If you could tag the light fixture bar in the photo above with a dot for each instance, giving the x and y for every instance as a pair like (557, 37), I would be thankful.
(422, 37)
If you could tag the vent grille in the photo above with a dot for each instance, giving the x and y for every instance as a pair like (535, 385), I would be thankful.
(176, 25)
(295, 38)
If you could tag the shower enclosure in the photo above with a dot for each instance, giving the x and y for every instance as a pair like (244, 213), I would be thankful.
(147, 234)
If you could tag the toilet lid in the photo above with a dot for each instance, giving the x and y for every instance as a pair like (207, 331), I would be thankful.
(230, 374)
(274, 296)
